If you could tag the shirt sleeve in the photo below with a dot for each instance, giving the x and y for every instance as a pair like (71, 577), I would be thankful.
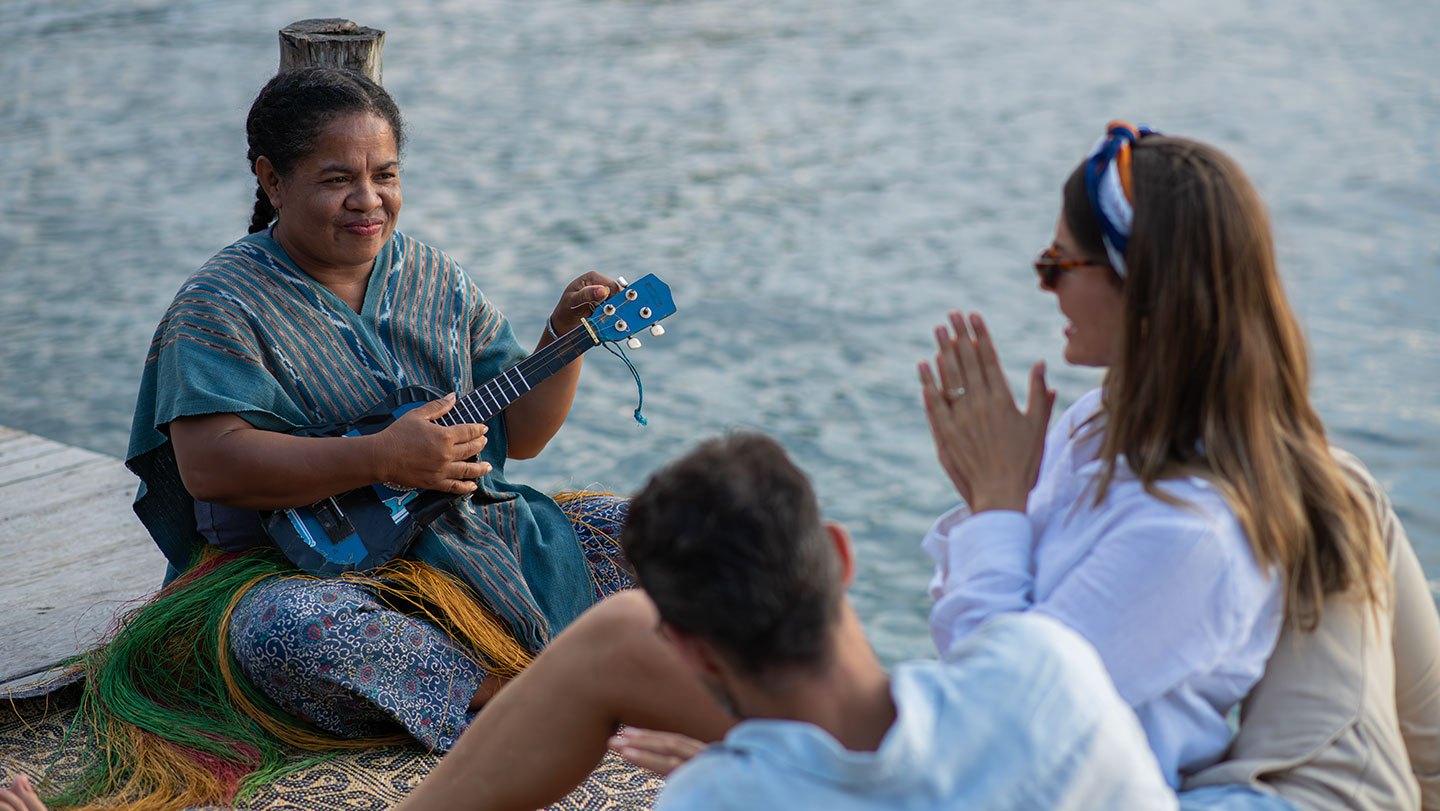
(973, 581)
(1417, 651)
(207, 359)
(983, 567)
(1159, 593)
(1415, 638)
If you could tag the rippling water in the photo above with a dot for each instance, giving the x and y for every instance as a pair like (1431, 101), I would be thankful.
(818, 182)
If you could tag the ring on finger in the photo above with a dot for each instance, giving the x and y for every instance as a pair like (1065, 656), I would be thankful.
(955, 394)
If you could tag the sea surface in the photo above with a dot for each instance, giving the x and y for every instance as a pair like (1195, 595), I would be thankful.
(819, 182)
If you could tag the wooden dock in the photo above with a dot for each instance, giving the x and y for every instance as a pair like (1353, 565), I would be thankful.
(72, 552)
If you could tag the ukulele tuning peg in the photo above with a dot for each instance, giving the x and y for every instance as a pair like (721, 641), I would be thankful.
(657, 330)
(620, 280)
(632, 342)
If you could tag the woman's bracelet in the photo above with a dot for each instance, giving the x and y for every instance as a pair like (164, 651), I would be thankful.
(550, 328)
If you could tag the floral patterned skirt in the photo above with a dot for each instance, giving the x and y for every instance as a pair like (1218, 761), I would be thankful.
(332, 653)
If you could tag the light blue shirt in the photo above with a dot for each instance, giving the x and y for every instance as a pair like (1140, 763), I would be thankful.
(1020, 716)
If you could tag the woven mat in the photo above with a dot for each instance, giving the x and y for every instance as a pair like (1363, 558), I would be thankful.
(32, 732)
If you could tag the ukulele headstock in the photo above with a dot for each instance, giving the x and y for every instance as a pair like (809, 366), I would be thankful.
(641, 304)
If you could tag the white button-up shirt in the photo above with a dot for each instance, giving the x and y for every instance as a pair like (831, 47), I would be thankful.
(1169, 594)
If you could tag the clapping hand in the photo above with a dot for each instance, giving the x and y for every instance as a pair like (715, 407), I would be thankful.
(989, 449)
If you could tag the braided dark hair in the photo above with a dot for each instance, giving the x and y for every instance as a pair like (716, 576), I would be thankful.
(291, 110)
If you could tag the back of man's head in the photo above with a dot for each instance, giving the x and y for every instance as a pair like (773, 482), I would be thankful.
(728, 543)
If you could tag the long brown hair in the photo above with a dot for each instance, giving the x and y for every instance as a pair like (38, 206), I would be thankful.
(1212, 377)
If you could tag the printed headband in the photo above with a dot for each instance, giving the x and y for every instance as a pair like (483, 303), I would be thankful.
(1107, 182)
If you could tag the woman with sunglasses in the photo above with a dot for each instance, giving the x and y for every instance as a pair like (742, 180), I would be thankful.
(1183, 513)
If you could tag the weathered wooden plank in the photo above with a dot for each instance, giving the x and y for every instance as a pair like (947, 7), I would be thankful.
(72, 553)
(66, 488)
(27, 446)
(43, 467)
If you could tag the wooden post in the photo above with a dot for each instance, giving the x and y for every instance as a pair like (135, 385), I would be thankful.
(332, 43)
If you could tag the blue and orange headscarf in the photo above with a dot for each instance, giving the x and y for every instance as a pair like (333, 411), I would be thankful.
(1108, 184)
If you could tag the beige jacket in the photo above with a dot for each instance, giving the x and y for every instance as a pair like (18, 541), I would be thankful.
(1348, 716)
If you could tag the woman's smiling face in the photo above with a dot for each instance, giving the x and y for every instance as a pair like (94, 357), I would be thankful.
(338, 205)
(1092, 302)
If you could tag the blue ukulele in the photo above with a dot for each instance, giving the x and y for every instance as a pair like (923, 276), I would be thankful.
(368, 526)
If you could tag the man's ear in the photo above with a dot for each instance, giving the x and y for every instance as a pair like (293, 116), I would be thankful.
(844, 550)
(269, 180)
(697, 653)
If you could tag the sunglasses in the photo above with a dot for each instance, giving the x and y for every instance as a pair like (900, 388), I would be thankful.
(1049, 265)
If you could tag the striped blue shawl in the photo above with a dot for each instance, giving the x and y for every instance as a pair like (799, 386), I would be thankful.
(251, 334)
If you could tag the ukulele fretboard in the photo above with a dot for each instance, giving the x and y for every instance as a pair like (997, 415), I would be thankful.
(491, 398)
